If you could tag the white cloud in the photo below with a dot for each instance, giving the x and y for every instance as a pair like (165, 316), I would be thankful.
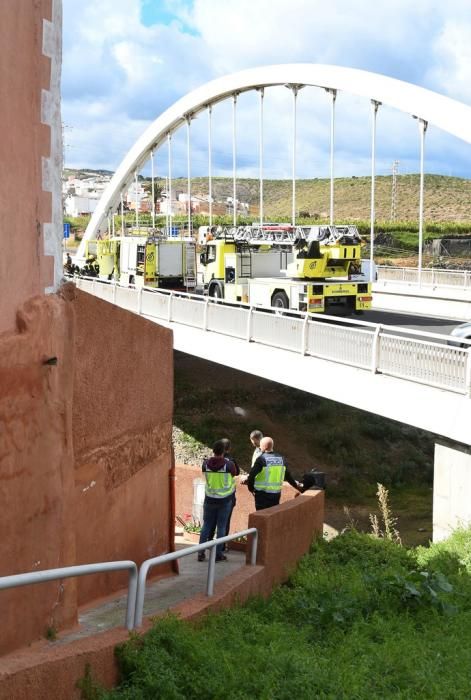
(119, 74)
(452, 69)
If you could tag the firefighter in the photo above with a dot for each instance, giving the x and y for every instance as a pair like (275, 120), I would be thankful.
(267, 475)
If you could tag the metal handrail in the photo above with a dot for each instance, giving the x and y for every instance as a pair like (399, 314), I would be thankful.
(83, 570)
(172, 556)
(437, 276)
(291, 313)
(308, 321)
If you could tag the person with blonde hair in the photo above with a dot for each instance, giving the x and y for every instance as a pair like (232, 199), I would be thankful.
(267, 475)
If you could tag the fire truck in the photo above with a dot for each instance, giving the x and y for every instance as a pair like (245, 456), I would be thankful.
(142, 259)
(305, 268)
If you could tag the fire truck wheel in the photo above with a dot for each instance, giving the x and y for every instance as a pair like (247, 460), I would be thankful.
(279, 300)
(215, 290)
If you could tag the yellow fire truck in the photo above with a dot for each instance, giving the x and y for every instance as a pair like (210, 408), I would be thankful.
(145, 260)
(313, 268)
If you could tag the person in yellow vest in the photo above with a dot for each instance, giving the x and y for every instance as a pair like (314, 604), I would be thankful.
(220, 473)
(267, 475)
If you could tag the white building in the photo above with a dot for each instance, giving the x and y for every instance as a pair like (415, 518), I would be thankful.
(75, 205)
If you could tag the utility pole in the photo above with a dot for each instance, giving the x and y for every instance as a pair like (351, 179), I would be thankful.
(394, 190)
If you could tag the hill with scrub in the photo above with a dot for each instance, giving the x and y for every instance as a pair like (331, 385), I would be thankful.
(447, 199)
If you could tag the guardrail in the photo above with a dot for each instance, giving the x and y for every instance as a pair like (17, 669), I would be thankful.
(83, 570)
(394, 351)
(172, 556)
(430, 277)
(136, 584)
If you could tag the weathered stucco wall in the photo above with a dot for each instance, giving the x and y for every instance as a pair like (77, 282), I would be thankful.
(30, 152)
(122, 434)
(36, 468)
(85, 444)
(285, 532)
(85, 453)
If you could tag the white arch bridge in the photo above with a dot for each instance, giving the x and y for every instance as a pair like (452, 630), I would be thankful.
(416, 379)
(426, 106)
(409, 376)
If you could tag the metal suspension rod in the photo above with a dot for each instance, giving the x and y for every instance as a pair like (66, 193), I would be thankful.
(113, 217)
(374, 112)
(153, 186)
(262, 93)
(210, 168)
(169, 191)
(234, 160)
(135, 201)
(332, 148)
(188, 165)
(422, 129)
(109, 223)
(294, 89)
(166, 209)
(122, 214)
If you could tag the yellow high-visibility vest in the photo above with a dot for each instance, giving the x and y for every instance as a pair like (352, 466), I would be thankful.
(219, 484)
(270, 478)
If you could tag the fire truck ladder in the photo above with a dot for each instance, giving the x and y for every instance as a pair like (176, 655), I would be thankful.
(245, 260)
(189, 278)
(256, 235)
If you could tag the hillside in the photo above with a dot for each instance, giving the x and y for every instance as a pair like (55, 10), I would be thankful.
(446, 198)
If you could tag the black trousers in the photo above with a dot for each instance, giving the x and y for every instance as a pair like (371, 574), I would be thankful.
(266, 500)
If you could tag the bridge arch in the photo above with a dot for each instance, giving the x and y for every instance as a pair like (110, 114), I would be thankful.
(449, 115)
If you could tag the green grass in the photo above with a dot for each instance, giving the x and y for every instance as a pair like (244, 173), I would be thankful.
(360, 618)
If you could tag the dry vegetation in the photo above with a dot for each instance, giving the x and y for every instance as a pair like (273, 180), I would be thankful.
(446, 198)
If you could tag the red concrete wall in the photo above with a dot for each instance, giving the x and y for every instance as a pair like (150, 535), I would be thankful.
(24, 207)
(85, 445)
(185, 474)
(85, 453)
(36, 468)
(122, 435)
(286, 533)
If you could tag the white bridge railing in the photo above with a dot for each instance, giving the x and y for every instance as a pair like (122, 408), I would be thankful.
(430, 277)
(398, 352)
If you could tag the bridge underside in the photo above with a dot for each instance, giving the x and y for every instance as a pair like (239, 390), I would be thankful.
(390, 397)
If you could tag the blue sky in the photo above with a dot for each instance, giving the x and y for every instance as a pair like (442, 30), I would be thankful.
(126, 61)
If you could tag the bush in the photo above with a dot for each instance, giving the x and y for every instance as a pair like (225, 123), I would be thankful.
(360, 618)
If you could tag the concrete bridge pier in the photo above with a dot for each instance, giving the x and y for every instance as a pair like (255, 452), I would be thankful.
(451, 489)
